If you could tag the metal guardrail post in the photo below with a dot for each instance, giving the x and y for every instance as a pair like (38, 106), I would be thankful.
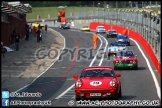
(147, 35)
(143, 29)
(159, 52)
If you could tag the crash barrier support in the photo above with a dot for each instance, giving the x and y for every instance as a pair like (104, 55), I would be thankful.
(136, 36)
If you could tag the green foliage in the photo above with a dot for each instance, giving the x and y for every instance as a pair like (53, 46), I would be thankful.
(112, 4)
(51, 10)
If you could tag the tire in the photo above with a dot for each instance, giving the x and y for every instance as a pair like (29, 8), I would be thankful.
(107, 36)
(120, 92)
(115, 68)
(116, 96)
(77, 98)
(136, 67)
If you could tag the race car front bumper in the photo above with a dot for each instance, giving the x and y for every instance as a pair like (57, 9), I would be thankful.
(111, 93)
(125, 65)
(111, 53)
(125, 43)
(112, 35)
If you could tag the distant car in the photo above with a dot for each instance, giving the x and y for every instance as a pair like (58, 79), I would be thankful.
(97, 82)
(100, 29)
(125, 59)
(64, 26)
(111, 33)
(123, 39)
(37, 24)
(113, 48)
(85, 28)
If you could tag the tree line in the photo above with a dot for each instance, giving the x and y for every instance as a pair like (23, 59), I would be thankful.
(112, 4)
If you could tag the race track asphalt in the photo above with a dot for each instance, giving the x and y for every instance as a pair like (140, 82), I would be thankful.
(136, 84)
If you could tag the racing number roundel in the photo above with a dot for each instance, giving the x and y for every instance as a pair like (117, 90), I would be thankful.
(95, 83)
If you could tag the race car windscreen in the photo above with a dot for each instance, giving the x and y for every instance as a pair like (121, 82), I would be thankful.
(116, 44)
(123, 37)
(100, 28)
(125, 54)
(111, 31)
(97, 73)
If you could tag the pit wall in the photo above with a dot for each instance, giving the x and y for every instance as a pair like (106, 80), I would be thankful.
(136, 36)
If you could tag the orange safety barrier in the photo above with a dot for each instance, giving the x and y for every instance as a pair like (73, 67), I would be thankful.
(63, 19)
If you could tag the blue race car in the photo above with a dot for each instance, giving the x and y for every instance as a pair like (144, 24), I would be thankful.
(122, 39)
(100, 29)
(115, 47)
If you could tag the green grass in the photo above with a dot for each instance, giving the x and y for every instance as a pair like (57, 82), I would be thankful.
(52, 11)
(45, 12)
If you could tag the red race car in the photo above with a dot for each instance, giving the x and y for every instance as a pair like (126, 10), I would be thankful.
(125, 59)
(97, 82)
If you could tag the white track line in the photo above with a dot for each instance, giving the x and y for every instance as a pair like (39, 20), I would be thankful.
(63, 93)
(151, 70)
(48, 67)
(104, 51)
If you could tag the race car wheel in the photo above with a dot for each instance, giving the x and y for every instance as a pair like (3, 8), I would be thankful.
(116, 95)
(77, 98)
(136, 67)
(120, 92)
(115, 68)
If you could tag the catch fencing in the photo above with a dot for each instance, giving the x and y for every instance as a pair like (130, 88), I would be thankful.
(141, 22)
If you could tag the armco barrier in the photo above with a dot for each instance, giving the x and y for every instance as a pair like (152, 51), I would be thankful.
(136, 36)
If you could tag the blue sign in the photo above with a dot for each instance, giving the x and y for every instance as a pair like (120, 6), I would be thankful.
(5, 102)
(5, 94)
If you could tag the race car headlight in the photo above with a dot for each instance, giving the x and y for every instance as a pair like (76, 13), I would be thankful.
(134, 62)
(112, 83)
(78, 84)
(117, 62)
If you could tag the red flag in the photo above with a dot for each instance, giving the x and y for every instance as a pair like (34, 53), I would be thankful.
(125, 31)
